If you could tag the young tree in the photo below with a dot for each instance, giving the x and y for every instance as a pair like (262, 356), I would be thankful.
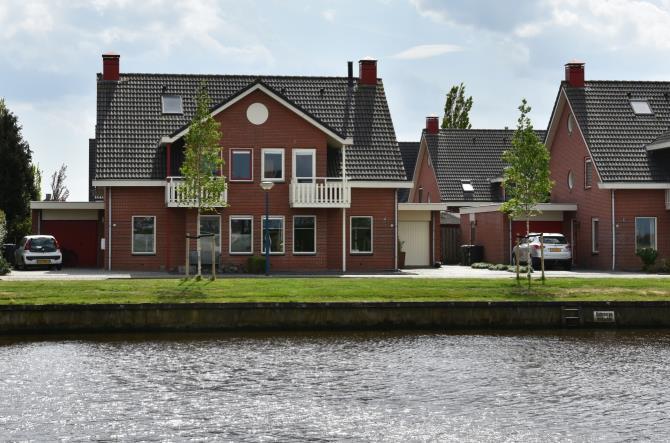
(37, 177)
(59, 192)
(457, 109)
(17, 183)
(526, 177)
(202, 160)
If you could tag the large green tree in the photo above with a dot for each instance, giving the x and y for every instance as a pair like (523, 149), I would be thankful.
(17, 182)
(203, 161)
(457, 109)
(526, 177)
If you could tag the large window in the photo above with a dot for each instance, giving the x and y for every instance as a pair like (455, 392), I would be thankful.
(304, 163)
(210, 224)
(241, 165)
(588, 173)
(304, 234)
(241, 235)
(273, 164)
(361, 235)
(645, 232)
(595, 235)
(276, 233)
(144, 234)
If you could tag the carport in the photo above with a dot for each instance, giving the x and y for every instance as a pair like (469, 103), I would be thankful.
(487, 226)
(76, 225)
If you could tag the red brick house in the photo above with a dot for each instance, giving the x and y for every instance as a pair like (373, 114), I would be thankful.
(327, 143)
(610, 154)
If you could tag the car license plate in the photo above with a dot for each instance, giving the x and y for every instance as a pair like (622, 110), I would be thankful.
(43, 261)
(554, 249)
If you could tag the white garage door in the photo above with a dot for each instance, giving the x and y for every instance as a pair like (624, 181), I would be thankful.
(416, 236)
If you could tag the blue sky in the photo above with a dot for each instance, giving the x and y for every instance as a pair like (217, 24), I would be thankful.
(503, 51)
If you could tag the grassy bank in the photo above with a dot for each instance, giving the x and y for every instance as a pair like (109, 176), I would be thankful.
(327, 290)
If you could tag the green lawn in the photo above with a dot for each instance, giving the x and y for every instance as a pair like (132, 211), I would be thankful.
(326, 290)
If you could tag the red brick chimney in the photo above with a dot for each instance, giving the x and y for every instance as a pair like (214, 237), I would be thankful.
(367, 72)
(574, 74)
(432, 124)
(110, 66)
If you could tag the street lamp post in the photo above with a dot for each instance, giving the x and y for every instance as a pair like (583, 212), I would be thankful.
(266, 186)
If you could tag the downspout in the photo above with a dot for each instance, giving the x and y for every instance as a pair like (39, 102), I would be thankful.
(395, 230)
(613, 234)
(344, 239)
(109, 230)
(432, 239)
(511, 245)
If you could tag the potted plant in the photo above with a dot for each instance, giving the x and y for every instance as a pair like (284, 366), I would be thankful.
(401, 254)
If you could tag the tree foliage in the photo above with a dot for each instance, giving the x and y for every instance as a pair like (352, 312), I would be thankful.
(59, 192)
(202, 157)
(37, 177)
(457, 109)
(17, 181)
(526, 177)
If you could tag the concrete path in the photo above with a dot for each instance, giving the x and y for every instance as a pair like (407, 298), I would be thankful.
(442, 272)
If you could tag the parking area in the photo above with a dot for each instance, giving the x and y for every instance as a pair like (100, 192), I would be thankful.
(451, 271)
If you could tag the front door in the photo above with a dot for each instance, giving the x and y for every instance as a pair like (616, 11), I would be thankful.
(209, 224)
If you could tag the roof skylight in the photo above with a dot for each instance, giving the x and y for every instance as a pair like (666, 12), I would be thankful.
(641, 107)
(467, 186)
(172, 104)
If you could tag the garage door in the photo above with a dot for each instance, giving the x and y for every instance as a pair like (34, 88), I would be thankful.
(416, 235)
(78, 240)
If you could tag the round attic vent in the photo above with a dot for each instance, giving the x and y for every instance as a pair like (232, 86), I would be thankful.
(257, 113)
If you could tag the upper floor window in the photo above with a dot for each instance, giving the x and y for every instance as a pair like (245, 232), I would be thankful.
(273, 164)
(172, 104)
(641, 107)
(571, 180)
(241, 165)
(304, 164)
(570, 124)
(588, 173)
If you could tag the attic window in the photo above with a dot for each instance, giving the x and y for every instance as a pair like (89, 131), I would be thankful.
(172, 104)
(467, 186)
(641, 107)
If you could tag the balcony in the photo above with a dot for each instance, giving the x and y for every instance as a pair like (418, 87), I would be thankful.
(320, 192)
(176, 195)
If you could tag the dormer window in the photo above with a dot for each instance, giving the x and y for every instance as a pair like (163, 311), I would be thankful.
(641, 107)
(172, 104)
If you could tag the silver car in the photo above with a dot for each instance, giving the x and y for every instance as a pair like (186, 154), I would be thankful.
(556, 250)
(38, 250)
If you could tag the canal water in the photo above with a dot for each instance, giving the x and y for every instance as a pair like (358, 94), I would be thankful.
(553, 386)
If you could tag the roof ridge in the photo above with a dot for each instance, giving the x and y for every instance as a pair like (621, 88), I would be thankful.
(157, 74)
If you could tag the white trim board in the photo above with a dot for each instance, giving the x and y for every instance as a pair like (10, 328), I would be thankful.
(66, 205)
(130, 183)
(422, 206)
(542, 207)
(625, 185)
(260, 87)
(380, 184)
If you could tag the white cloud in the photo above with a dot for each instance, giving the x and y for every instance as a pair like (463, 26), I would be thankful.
(328, 15)
(426, 51)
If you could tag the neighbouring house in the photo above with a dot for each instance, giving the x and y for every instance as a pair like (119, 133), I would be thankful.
(610, 154)
(326, 143)
(462, 169)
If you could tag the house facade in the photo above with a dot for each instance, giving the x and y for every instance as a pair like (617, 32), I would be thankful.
(610, 155)
(327, 145)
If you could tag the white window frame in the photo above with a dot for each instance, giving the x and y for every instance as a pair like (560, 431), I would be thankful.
(588, 161)
(655, 246)
(283, 234)
(230, 234)
(303, 151)
(220, 233)
(181, 104)
(304, 252)
(230, 162)
(595, 246)
(372, 235)
(283, 163)
(132, 234)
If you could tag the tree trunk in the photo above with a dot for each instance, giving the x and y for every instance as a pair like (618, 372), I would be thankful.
(529, 260)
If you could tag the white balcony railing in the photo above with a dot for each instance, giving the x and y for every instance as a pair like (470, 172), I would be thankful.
(176, 195)
(320, 192)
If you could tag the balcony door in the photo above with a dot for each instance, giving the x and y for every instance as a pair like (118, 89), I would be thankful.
(304, 165)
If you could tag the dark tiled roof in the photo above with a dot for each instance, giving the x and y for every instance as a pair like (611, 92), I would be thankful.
(409, 152)
(473, 155)
(130, 123)
(616, 136)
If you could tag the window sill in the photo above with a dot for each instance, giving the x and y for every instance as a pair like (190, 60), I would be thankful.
(273, 180)
(241, 180)
(240, 253)
(360, 253)
(142, 254)
(304, 253)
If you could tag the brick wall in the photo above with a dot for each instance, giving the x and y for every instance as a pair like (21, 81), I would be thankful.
(425, 177)
(568, 152)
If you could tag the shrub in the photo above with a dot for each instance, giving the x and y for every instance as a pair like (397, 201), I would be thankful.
(256, 265)
(522, 269)
(4, 266)
(498, 267)
(480, 265)
(648, 257)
